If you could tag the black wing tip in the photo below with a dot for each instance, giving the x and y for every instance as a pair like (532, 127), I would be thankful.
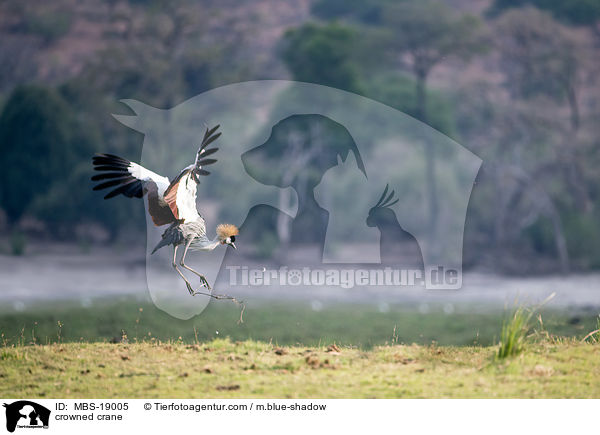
(206, 162)
(110, 175)
(205, 153)
(130, 190)
(209, 137)
(111, 166)
(107, 155)
(207, 141)
(99, 158)
(211, 130)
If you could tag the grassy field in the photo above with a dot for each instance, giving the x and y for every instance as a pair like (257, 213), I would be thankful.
(223, 368)
(129, 348)
(361, 326)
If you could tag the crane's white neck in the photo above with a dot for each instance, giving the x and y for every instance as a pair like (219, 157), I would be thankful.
(214, 243)
(207, 245)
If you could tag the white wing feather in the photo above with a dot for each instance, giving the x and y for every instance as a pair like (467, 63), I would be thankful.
(186, 198)
(144, 174)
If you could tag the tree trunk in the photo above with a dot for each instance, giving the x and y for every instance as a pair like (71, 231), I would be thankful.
(430, 158)
(574, 106)
(573, 166)
(559, 238)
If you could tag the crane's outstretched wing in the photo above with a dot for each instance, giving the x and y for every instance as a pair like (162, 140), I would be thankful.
(133, 180)
(181, 193)
(201, 158)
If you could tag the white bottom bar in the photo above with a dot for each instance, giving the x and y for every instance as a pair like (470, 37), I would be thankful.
(291, 416)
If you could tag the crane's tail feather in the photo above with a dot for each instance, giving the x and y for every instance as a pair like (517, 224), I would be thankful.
(171, 236)
(160, 244)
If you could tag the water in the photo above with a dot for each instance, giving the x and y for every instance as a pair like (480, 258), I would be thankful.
(65, 273)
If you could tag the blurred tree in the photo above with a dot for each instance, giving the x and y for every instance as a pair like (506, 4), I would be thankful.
(421, 35)
(514, 208)
(94, 130)
(47, 146)
(49, 25)
(322, 54)
(35, 139)
(398, 91)
(46, 21)
(541, 58)
(581, 12)
(367, 11)
(17, 60)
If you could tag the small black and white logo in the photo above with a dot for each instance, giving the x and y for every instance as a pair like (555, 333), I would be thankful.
(26, 414)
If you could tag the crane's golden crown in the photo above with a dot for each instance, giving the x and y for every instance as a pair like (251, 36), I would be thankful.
(227, 230)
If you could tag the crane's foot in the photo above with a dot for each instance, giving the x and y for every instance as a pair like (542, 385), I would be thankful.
(205, 283)
(190, 289)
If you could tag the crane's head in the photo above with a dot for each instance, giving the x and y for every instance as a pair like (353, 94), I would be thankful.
(227, 233)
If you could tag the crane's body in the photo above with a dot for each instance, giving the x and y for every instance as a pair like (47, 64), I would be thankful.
(169, 202)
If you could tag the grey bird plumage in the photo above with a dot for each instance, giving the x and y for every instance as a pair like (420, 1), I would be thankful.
(179, 233)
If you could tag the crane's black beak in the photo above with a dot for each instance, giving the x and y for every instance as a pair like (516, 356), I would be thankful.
(232, 245)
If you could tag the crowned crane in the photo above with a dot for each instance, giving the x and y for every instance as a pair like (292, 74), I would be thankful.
(169, 202)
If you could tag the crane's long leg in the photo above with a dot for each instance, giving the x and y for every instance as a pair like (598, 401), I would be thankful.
(182, 262)
(174, 264)
(189, 286)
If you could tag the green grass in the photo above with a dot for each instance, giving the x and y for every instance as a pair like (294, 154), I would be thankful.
(282, 351)
(594, 336)
(284, 324)
(513, 336)
(514, 333)
(223, 368)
